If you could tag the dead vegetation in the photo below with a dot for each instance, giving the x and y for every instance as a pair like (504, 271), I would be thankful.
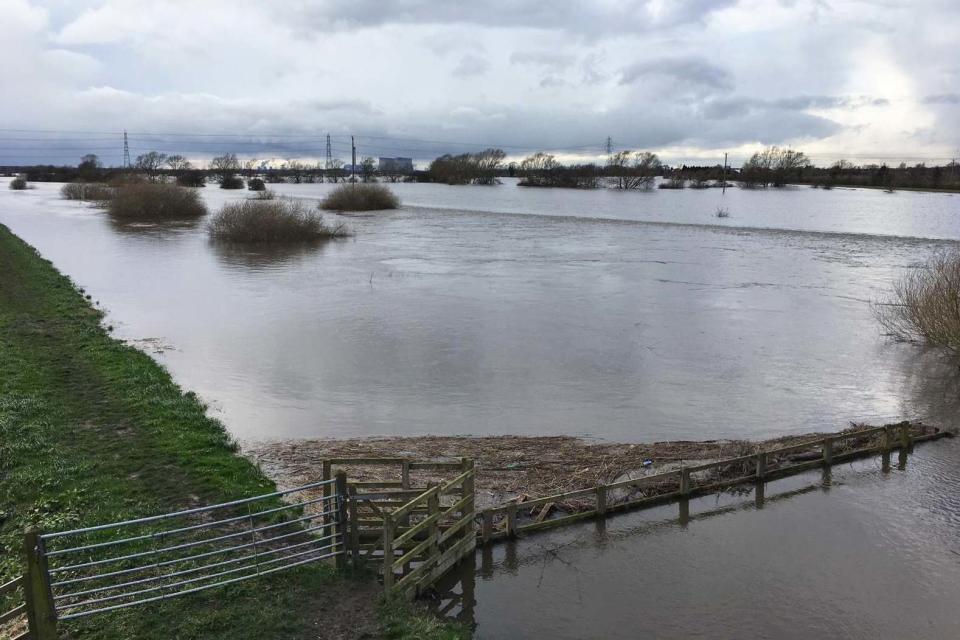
(518, 467)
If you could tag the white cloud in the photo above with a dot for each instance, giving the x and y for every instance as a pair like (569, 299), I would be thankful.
(701, 75)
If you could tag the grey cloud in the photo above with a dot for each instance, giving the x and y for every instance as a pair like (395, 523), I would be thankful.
(548, 59)
(471, 65)
(942, 98)
(573, 16)
(688, 71)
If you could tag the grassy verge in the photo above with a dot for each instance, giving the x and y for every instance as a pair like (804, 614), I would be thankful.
(94, 431)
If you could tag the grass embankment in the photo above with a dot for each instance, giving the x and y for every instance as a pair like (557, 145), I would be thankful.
(94, 431)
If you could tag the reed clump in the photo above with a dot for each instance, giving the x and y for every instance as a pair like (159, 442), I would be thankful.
(272, 221)
(924, 305)
(360, 197)
(87, 192)
(155, 201)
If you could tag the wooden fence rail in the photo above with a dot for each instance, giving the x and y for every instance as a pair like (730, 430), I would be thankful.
(684, 483)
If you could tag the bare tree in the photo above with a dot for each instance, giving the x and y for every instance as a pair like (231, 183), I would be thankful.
(177, 162)
(150, 163)
(368, 169)
(225, 166)
(334, 171)
(633, 170)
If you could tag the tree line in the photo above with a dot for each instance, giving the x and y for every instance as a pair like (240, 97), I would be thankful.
(772, 167)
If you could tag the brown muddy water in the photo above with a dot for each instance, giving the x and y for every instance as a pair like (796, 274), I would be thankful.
(628, 317)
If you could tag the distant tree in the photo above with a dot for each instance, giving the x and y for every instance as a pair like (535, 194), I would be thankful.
(177, 162)
(481, 167)
(334, 171)
(250, 166)
(224, 167)
(773, 166)
(191, 178)
(150, 163)
(89, 167)
(633, 170)
(488, 163)
(256, 184)
(368, 169)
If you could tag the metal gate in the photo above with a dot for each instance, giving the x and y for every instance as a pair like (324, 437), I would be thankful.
(125, 564)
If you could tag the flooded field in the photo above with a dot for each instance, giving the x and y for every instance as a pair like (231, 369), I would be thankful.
(628, 317)
(859, 554)
(500, 310)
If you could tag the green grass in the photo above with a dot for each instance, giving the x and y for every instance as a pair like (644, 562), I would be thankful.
(94, 431)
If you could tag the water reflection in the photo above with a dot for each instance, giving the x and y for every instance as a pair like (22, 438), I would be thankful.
(263, 257)
(153, 228)
(825, 554)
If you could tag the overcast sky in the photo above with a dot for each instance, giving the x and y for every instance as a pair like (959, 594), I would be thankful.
(687, 78)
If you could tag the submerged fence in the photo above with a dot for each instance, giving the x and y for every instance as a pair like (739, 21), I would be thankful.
(78, 573)
(509, 520)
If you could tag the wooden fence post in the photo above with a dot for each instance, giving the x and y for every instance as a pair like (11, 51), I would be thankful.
(433, 531)
(341, 524)
(905, 437)
(41, 615)
(761, 465)
(887, 439)
(354, 526)
(828, 451)
(601, 499)
(388, 552)
(405, 475)
(684, 481)
(470, 489)
(486, 531)
(512, 520)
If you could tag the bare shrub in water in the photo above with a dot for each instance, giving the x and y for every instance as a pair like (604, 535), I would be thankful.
(86, 191)
(360, 197)
(18, 184)
(924, 305)
(155, 201)
(263, 221)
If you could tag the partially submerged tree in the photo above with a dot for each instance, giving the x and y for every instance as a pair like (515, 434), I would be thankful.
(773, 166)
(633, 170)
(924, 305)
(177, 162)
(225, 166)
(150, 163)
(481, 167)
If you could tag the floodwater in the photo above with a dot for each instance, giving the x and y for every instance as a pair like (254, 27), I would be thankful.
(624, 316)
(857, 554)
(504, 310)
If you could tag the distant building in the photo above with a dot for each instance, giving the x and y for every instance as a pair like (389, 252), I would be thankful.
(396, 165)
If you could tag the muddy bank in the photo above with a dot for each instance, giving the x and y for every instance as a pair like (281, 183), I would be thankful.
(517, 467)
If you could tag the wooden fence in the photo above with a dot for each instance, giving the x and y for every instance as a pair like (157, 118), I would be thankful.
(7, 591)
(410, 532)
(691, 481)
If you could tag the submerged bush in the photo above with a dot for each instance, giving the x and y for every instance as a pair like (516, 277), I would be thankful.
(155, 201)
(360, 197)
(18, 184)
(260, 221)
(231, 182)
(86, 191)
(256, 184)
(192, 178)
(925, 305)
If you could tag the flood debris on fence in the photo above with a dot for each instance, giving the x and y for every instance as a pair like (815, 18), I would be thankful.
(515, 468)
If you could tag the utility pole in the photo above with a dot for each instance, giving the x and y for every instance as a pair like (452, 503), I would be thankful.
(329, 154)
(353, 160)
(126, 151)
(724, 191)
